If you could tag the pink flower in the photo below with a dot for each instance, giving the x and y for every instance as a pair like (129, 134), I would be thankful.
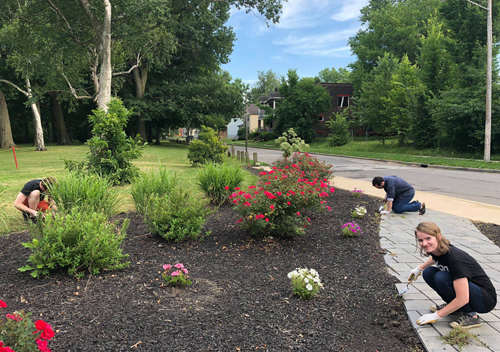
(3, 305)
(5, 349)
(327, 207)
(167, 267)
(289, 203)
(267, 220)
(278, 193)
(240, 220)
(271, 206)
(236, 188)
(226, 188)
(42, 345)
(332, 190)
(175, 273)
(14, 317)
(179, 266)
(298, 213)
(308, 219)
(185, 271)
(262, 173)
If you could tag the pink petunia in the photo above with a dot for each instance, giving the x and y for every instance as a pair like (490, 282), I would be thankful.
(167, 267)
(175, 273)
(179, 266)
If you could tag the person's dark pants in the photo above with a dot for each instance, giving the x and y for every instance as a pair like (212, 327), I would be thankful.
(441, 282)
(402, 203)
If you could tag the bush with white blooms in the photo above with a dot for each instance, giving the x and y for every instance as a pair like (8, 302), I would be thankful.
(305, 282)
(359, 212)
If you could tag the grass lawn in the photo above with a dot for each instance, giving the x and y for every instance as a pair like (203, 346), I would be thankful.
(34, 164)
(391, 151)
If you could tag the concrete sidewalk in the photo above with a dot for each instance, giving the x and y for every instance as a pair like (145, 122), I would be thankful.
(452, 216)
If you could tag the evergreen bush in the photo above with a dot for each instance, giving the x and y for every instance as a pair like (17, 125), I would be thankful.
(208, 148)
(339, 131)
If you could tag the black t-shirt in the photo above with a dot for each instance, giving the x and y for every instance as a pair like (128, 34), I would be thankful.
(33, 185)
(460, 264)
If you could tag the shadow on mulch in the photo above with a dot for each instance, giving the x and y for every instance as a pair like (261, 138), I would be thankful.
(240, 300)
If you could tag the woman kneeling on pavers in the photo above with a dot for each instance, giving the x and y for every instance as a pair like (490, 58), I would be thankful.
(456, 277)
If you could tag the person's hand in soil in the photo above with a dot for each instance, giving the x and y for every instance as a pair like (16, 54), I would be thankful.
(428, 318)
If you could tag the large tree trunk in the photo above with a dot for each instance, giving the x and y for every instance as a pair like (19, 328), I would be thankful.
(150, 132)
(158, 133)
(62, 133)
(140, 75)
(104, 33)
(6, 140)
(39, 142)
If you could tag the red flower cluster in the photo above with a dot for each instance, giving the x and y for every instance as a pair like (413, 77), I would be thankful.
(5, 349)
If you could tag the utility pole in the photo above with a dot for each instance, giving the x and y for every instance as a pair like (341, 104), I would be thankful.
(487, 127)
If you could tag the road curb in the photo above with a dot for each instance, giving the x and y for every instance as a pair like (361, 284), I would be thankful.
(415, 164)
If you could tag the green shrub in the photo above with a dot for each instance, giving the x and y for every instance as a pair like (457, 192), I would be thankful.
(156, 183)
(254, 135)
(277, 205)
(78, 241)
(217, 181)
(267, 136)
(310, 165)
(91, 192)
(111, 151)
(289, 143)
(208, 148)
(339, 131)
(177, 216)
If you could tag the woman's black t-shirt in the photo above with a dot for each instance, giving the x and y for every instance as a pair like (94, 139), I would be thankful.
(460, 264)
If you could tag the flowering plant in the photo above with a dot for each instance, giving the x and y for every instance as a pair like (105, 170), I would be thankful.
(351, 229)
(277, 204)
(178, 277)
(358, 212)
(18, 331)
(312, 166)
(356, 193)
(305, 282)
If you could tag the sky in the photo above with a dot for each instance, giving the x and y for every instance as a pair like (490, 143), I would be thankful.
(312, 35)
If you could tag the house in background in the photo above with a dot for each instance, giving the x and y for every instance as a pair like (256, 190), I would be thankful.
(340, 94)
(252, 117)
(233, 126)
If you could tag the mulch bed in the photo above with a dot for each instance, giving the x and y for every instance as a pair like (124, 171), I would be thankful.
(492, 231)
(241, 298)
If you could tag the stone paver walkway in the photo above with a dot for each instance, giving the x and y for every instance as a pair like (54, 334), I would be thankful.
(397, 237)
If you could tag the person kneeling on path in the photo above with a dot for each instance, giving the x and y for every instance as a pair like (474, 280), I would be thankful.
(31, 200)
(456, 277)
(399, 193)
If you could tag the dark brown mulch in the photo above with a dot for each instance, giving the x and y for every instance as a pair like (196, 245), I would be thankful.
(492, 231)
(240, 300)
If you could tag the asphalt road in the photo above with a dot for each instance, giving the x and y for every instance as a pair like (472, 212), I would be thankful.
(480, 187)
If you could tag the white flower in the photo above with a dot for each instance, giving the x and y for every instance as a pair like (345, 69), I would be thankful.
(309, 287)
(306, 280)
(293, 274)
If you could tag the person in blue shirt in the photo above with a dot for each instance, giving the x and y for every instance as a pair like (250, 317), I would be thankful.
(399, 195)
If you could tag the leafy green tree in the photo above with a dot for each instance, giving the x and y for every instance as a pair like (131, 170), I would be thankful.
(375, 105)
(327, 75)
(267, 81)
(339, 129)
(302, 101)
(406, 88)
(111, 151)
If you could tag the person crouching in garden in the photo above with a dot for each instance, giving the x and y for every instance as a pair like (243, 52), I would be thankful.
(399, 194)
(31, 200)
(455, 276)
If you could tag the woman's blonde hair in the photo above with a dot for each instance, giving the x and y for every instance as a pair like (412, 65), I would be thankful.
(432, 229)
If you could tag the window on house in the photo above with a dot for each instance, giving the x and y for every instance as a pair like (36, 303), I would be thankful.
(321, 118)
(343, 101)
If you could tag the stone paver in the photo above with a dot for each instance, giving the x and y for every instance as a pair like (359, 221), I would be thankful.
(397, 238)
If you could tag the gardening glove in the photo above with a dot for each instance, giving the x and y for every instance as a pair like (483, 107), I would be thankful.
(414, 274)
(384, 212)
(428, 318)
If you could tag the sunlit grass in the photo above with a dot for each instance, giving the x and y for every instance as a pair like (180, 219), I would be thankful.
(34, 165)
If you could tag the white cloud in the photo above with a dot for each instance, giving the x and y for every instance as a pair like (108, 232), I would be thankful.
(318, 45)
(303, 13)
(349, 10)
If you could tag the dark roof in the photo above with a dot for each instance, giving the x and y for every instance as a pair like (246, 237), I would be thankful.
(275, 95)
(252, 109)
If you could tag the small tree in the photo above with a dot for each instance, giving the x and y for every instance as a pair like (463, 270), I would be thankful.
(111, 151)
(289, 143)
(207, 148)
(339, 128)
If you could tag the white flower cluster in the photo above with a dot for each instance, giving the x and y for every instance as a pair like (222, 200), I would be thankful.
(359, 211)
(309, 276)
